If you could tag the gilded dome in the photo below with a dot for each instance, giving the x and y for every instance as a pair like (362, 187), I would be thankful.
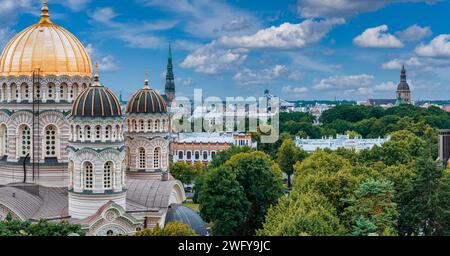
(96, 101)
(47, 47)
(146, 101)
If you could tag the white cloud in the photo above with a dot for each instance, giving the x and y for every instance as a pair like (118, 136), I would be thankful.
(208, 18)
(74, 5)
(344, 82)
(414, 33)
(386, 86)
(285, 36)
(6, 35)
(265, 76)
(105, 62)
(210, 59)
(343, 8)
(438, 47)
(377, 37)
(396, 64)
(135, 34)
(294, 90)
(188, 81)
(9, 9)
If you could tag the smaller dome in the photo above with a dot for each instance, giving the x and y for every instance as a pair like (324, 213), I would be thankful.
(146, 101)
(403, 85)
(187, 216)
(96, 101)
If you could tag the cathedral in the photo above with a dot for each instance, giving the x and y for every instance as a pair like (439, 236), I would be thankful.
(67, 152)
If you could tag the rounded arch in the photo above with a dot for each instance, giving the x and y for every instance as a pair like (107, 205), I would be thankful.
(88, 175)
(70, 169)
(141, 158)
(24, 142)
(51, 141)
(63, 91)
(3, 92)
(108, 175)
(157, 158)
(24, 92)
(51, 90)
(14, 91)
(3, 139)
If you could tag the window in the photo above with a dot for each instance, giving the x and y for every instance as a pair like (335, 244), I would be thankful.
(50, 91)
(180, 154)
(149, 125)
(88, 175)
(205, 155)
(71, 173)
(135, 125)
(164, 124)
(156, 158)
(38, 91)
(14, 92)
(142, 125)
(189, 155)
(118, 131)
(142, 158)
(156, 125)
(24, 91)
(88, 132)
(108, 132)
(197, 155)
(98, 132)
(3, 140)
(124, 167)
(25, 140)
(107, 175)
(79, 132)
(213, 154)
(62, 91)
(50, 141)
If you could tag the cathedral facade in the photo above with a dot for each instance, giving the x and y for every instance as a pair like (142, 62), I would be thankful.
(67, 152)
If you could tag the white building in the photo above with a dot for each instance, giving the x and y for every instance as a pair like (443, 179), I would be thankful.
(341, 141)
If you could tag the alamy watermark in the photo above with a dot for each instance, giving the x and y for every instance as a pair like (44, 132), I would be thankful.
(232, 114)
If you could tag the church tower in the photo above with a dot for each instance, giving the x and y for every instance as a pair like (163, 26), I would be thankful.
(170, 79)
(403, 91)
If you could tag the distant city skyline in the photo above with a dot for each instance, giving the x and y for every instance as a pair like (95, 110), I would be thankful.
(299, 50)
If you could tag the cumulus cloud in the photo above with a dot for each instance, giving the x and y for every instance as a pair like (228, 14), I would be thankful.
(285, 36)
(6, 35)
(414, 33)
(9, 9)
(438, 47)
(385, 86)
(343, 8)
(397, 64)
(377, 37)
(251, 77)
(344, 82)
(294, 90)
(105, 62)
(211, 59)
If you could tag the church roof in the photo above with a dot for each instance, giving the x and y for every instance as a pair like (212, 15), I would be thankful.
(187, 216)
(403, 85)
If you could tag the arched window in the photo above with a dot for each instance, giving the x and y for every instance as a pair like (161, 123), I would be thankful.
(108, 171)
(71, 166)
(134, 124)
(213, 154)
(14, 92)
(88, 170)
(118, 131)
(189, 155)
(73, 92)
(88, 133)
(98, 132)
(124, 167)
(180, 154)
(25, 94)
(24, 140)
(128, 157)
(108, 131)
(50, 141)
(79, 132)
(3, 140)
(37, 91)
(63, 91)
(205, 155)
(142, 125)
(164, 124)
(142, 158)
(156, 125)
(4, 86)
(197, 155)
(156, 158)
(50, 90)
(149, 125)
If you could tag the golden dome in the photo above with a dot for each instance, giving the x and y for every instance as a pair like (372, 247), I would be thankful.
(47, 47)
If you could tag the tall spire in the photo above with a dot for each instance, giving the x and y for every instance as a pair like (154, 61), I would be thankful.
(403, 74)
(146, 80)
(45, 17)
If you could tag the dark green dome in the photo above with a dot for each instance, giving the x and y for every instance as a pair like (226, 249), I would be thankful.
(146, 101)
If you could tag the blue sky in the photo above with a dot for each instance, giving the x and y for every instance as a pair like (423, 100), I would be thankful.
(306, 49)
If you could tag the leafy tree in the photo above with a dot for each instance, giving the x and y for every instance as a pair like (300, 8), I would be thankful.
(402, 148)
(302, 214)
(186, 172)
(223, 202)
(287, 156)
(221, 157)
(12, 227)
(374, 203)
(252, 181)
(170, 229)
(427, 204)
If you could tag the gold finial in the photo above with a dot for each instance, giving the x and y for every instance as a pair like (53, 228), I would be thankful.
(146, 80)
(45, 17)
